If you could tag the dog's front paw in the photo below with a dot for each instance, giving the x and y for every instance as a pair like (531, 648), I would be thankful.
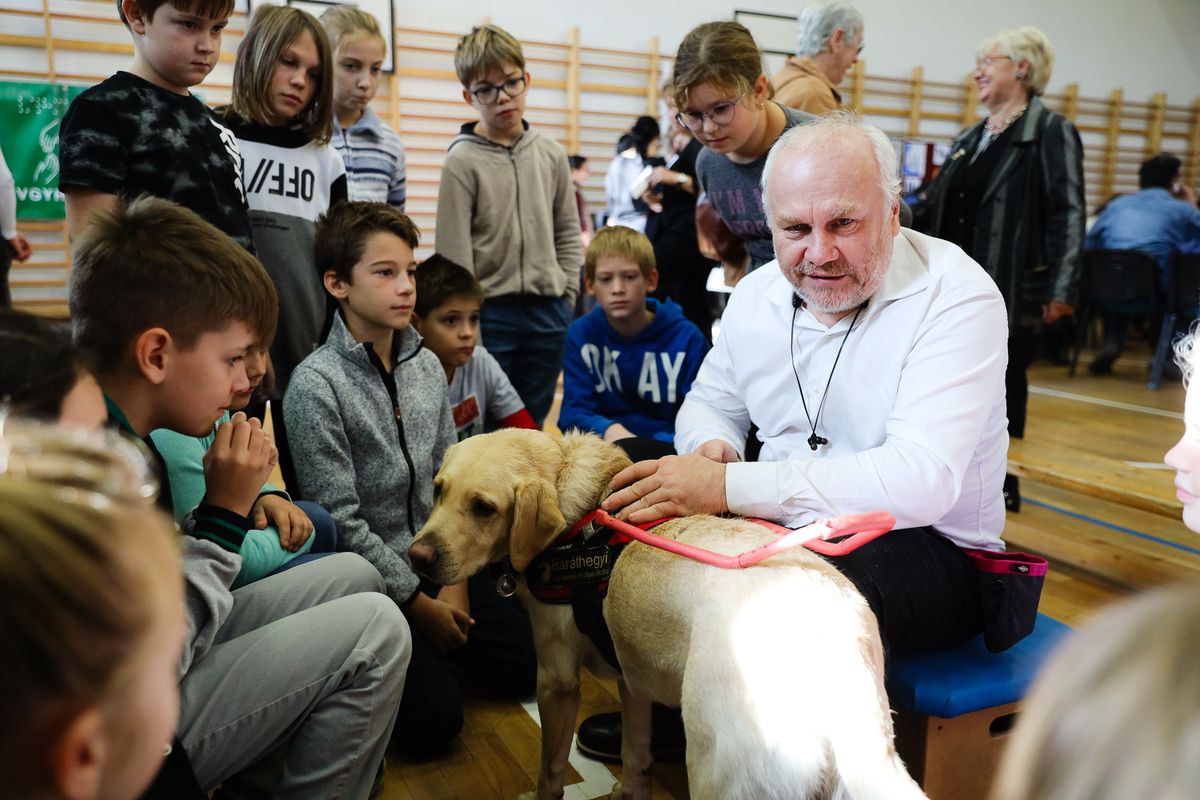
(622, 791)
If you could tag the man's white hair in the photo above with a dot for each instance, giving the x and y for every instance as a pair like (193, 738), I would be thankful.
(819, 20)
(837, 125)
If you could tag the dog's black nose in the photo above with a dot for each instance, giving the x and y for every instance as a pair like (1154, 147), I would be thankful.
(422, 555)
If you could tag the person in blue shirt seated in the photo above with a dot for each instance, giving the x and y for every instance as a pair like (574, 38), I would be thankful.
(1160, 220)
(631, 360)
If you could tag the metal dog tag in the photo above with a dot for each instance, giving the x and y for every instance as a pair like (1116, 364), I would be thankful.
(506, 585)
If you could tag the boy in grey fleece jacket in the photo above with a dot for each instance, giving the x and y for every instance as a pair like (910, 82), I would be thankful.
(370, 420)
(507, 212)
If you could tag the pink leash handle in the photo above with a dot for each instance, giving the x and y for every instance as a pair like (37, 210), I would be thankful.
(860, 528)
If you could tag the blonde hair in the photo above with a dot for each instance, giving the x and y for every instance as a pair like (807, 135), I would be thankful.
(77, 587)
(618, 241)
(1024, 44)
(1115, 713)
(272, 30)
(345, 22)
(720, 53)
(486, 48)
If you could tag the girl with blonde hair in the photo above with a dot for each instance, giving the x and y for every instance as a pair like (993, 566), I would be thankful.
(91, 617)
(372, 150)
(1115, 714)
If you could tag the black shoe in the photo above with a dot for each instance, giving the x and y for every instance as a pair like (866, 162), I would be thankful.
(1102, 362)
(600, 736)
(1012, 493)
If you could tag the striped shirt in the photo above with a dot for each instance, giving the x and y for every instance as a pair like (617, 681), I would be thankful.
(374, 160)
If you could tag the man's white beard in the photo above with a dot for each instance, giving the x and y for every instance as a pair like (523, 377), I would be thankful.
(878, 259)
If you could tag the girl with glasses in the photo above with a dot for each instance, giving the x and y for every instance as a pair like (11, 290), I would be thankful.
(723, 98)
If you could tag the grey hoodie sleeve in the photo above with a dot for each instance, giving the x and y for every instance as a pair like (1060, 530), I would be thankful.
(208, 572)
(452, 235)
(567, 240)
(321, 454)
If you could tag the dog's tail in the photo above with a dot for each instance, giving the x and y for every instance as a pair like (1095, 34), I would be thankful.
(860, 728)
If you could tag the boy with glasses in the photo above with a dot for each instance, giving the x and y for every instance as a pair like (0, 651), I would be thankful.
(506, 212)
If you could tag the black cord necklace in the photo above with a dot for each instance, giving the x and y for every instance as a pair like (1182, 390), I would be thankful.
(815, 441)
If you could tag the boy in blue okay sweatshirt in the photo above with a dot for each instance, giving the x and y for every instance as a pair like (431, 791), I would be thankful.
(629, 361)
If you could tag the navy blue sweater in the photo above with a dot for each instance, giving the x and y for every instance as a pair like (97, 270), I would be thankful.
(639, 382)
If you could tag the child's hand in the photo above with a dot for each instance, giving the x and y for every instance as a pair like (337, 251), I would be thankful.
(617, 432)
(456, 595)
(237, 464)
(293, 524)
(444, 626)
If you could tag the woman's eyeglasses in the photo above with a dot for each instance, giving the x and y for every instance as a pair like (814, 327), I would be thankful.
(988, 61)
(720, 114)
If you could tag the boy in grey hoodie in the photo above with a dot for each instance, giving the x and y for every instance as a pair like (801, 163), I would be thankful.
(507, 212)
(370, 420)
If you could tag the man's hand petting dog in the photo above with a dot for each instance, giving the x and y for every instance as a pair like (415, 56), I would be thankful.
(673, 486)
(442, 624)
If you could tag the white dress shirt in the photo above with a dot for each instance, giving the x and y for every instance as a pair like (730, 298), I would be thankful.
(915, 415)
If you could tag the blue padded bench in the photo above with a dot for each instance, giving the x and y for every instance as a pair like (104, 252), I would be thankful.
(954, 709)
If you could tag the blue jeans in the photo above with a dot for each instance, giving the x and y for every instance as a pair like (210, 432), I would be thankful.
(324, 535)
(527, 335)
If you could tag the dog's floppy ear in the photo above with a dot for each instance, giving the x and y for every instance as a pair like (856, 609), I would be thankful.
(536, 521)
(588, 465)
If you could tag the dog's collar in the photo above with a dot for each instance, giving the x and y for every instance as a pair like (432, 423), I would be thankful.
(597, 520)
(580, 560)
(574, 558)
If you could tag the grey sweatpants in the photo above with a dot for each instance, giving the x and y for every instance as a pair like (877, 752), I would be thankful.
(310, 663)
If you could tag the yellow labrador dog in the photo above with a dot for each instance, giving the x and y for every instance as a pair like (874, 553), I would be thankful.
(778, 668)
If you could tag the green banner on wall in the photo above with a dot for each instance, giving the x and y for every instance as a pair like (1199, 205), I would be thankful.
(29, 117)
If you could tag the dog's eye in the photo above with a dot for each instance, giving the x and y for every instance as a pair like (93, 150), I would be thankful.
(482, 509)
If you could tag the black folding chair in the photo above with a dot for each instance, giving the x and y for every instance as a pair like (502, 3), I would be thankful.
(1183, 295)
(1116, 282)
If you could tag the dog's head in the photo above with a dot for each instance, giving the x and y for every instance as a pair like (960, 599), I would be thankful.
(511, 493)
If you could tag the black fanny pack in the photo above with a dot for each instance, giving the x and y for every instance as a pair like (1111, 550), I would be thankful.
(1010, 586)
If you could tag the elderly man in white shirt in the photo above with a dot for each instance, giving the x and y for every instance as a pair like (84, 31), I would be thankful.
(872, 360)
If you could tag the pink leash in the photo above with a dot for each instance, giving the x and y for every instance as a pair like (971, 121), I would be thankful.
(859, 528)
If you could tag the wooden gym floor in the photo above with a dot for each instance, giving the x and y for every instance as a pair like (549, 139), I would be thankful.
(1096, 501)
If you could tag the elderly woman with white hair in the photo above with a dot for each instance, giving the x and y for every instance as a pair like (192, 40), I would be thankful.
(828, 42)
(1011, 195)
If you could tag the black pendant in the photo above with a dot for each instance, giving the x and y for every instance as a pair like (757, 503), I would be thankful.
(815, 441)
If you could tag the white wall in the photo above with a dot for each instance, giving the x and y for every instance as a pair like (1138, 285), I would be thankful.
(1143, 46)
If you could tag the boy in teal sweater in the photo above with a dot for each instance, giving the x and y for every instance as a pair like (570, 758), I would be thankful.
(285, 534)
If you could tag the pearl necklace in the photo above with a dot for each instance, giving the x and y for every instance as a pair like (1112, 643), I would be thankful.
(994, 129)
